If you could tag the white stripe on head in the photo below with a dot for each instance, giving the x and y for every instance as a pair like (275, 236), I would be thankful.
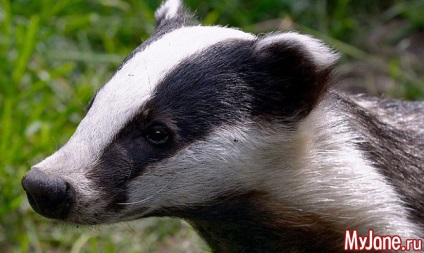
(121, 98)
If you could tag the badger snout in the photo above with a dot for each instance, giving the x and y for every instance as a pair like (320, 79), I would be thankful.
(50, 196)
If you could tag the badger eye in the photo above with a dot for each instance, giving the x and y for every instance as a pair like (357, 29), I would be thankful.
(157, 135)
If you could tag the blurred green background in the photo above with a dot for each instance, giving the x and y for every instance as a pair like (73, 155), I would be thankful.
(54, 54)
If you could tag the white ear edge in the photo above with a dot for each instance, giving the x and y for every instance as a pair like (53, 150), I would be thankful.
(318, 51)
(168, 9)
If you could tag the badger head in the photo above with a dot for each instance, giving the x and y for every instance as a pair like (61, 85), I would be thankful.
(188, 122)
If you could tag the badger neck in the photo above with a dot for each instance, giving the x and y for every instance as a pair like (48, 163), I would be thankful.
(268, 233)
(324, 186)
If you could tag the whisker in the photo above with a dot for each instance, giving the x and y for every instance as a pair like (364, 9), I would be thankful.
(151, 196)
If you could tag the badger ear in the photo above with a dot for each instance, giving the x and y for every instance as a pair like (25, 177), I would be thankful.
(297, 70)
(173, 12)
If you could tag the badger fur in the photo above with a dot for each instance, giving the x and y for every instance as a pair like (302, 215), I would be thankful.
(244, 137)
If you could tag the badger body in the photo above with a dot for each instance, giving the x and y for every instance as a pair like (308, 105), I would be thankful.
(244, 137)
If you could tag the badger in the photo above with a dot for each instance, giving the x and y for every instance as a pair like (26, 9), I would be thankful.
(243, 136)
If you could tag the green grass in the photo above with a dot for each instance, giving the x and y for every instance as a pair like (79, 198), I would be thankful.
(55, 53)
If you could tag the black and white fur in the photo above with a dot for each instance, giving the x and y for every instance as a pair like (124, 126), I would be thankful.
(261, 155)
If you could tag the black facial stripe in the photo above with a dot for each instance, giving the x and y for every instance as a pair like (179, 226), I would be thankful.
(205, 91)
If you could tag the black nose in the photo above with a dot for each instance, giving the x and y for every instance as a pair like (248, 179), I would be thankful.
(50, 196)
